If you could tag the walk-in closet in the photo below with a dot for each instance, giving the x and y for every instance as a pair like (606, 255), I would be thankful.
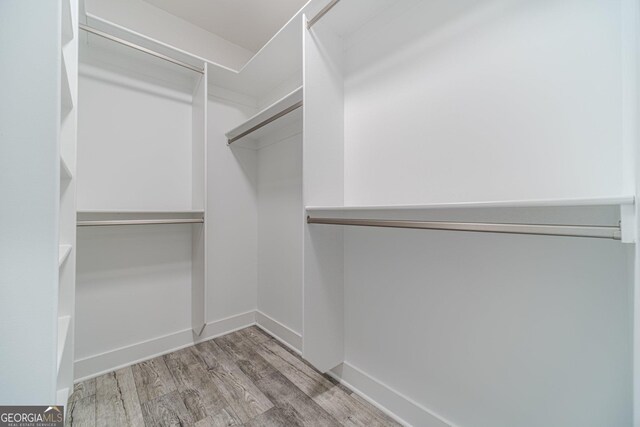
(320, 213)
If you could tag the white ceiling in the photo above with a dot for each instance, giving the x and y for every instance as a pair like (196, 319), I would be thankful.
(247, 23)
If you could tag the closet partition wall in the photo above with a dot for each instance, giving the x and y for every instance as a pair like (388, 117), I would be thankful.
(141, 196)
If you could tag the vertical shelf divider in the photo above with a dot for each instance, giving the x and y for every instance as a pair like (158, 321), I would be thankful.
(199, 201)
(323, 182)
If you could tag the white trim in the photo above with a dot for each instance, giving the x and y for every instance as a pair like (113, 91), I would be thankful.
(388, 400)
(282, 333)
(93, 366)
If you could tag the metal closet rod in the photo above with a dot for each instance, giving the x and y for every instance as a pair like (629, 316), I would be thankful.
(102, 223)
(266, 122)
(594, 231)
(320, 14)
(140, 48)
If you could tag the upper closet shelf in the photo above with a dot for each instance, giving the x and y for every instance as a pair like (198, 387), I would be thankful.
(598, 201)
(279, 60)
(277, 115)
(139, 212)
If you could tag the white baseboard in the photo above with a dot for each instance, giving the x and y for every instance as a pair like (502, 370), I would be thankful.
(398, 406)
(102, 363)
(282, 333)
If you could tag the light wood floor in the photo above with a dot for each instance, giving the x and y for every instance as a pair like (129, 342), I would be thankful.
(244, 378)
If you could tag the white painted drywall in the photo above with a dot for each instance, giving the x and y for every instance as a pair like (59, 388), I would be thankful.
(280, 232)
(29, 181)
(154, 22)
(485, 100)
(490, 330)
(134, 143)
(133, 285)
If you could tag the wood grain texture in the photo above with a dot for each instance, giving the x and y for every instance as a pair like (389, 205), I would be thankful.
(244, 378)
(282, 415)
(224, 418)
(240, 392)
(283, 392)
(82, 412)
(255, 334)
(306, 378)
(384, 418)
(81, 390)
(199, 393)
(117, 401)
(168, 410)
(349, 411)
(152, 379)
(245, 355)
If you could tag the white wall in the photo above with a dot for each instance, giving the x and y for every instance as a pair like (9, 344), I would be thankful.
(280, 233)
(490, 330)
(134, 150)
(29, 181)
(133, 285)
(472, 100)
(167, 28)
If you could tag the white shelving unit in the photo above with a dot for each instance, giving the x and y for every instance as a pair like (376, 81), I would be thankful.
(284, 113)
(67, 216)
(601, 201)
(171, 196)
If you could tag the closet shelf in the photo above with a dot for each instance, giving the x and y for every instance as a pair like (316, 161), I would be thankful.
(140, 212)
(277, 61)
(63, 254)
(120, 218)
(65, 172)
(598, 201)
(275, 116)
(64, 323)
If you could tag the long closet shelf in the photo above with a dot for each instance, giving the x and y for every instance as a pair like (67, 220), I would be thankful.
(65, 172)
(268, 117)
(105, 223)
(568, 230)
(598, 201)
(63, 254)
(140, 48)
(141, 212)
(64, 323)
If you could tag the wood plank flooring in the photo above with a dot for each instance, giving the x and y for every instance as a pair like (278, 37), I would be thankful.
(246, 378)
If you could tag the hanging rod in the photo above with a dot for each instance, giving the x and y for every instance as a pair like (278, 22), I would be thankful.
(320, 14)
(139, 222)
(140, 48)
(600, 232)
(266, 121)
